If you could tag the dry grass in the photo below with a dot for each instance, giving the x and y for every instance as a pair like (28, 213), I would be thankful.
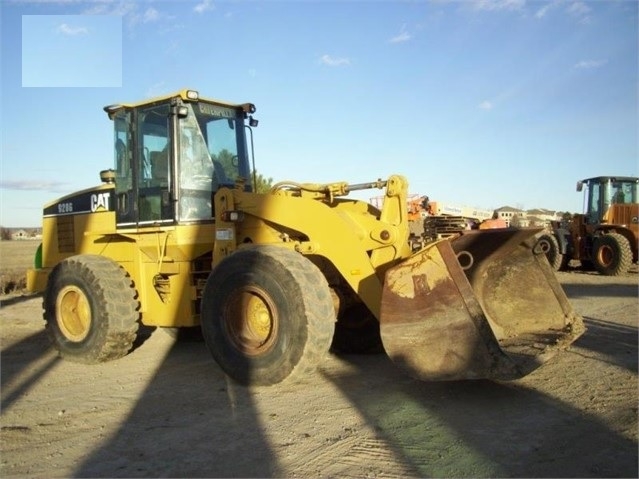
(15, 258)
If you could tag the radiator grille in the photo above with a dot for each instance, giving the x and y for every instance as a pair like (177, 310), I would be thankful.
(66, 237)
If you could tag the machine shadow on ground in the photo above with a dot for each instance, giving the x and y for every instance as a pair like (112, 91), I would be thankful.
(202, 425)
(192, 421)
(35, 359)
(456, 429)
(483, 428)
(610, 290)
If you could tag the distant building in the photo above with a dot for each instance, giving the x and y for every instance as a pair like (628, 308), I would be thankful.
(542, 217)
(536, 217)
(449, 209)
(20, 235)
(512, 216)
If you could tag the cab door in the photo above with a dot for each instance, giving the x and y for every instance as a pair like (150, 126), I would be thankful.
(144, 178)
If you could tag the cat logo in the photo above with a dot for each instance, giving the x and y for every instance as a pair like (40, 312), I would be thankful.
(99, 202)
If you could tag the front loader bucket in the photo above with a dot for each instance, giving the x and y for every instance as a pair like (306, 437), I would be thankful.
(483, 305)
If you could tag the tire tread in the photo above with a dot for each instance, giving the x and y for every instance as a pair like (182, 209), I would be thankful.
(115, 301)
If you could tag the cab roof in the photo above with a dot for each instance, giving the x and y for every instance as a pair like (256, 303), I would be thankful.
(186, 95)
(599, 179)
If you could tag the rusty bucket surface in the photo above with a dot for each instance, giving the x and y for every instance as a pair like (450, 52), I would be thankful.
(483, 305)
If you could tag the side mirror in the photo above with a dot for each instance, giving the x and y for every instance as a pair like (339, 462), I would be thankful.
(580, 186)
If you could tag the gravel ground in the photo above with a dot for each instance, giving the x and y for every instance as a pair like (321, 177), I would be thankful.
(167, 410)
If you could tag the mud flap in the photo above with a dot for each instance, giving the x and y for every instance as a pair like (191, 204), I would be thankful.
(484, 305)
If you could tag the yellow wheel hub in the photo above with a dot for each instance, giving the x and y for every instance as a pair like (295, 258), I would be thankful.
(73, 313)
(252, 322)
(258, 319)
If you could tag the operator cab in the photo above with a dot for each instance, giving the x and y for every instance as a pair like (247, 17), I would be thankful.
(173, 153)
(604, 191)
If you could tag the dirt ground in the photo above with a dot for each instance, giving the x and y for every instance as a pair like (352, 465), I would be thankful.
(166, 410)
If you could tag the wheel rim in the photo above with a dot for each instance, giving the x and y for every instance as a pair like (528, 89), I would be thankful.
(73, 313)
(605, 255)
(251, 321)
(544, 245)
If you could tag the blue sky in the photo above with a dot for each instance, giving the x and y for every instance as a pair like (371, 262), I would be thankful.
(480, 103)
(71, 51)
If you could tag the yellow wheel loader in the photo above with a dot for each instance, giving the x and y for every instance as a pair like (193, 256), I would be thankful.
(177, 237)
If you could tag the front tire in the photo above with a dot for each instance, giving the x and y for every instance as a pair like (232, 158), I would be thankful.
(90, 309)
(613, 255)
(267, 315)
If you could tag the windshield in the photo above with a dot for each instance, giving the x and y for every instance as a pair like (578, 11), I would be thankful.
(624, 192)
(604, 192)
(211, 154)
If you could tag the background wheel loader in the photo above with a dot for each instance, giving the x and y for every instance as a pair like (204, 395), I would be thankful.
(175, 237)
(605, 237)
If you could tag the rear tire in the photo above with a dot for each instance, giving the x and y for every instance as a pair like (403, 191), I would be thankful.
(267, 315)
(550, 247)
(91, 309)
(612, 254)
